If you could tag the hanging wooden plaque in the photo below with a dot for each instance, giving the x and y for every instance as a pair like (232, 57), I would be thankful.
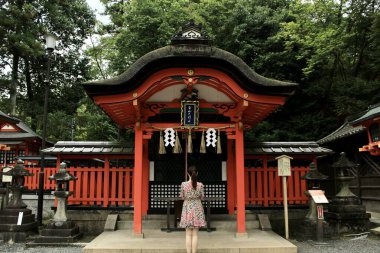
(189, 113)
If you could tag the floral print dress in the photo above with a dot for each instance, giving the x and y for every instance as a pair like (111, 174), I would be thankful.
(193, 215)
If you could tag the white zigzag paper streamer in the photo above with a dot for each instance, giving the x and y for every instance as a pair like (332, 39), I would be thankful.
(211, 137)
(169, 137)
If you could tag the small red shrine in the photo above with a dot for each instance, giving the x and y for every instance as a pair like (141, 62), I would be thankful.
(190, 103)
(371, 121)
(16, 139)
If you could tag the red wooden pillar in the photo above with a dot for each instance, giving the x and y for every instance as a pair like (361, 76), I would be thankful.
(240, 196)
(138, 179)
(266, 176)
(145, 184)
(230, 177)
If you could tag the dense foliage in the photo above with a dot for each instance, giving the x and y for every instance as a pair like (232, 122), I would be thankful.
(330, 47)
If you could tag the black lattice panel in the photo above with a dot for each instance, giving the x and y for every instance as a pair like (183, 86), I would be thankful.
(162, 191)
(216, 190)
(158, 190)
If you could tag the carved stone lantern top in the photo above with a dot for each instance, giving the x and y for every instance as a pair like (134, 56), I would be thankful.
(314, 174)
(344, 166)
(62, 175)
(19, 170)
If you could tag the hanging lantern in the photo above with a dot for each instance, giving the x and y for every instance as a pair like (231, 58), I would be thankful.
(161, 149)
(219, 144)
(177, 147)
(189, 143)
(202, 149)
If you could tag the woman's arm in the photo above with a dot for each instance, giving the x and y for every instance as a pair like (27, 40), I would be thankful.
(202, 191)
(181, 195)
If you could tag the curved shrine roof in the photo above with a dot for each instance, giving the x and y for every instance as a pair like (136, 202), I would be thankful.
(190, 48)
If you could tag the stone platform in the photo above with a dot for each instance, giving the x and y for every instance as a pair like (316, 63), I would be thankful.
(220, 241)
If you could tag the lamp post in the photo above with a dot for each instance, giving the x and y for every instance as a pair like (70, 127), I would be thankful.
(50, 45)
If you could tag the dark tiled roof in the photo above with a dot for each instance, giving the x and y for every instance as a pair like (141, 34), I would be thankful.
(90, 147)
(189, 56)
(8, 118)
(289, 148)
(26, 132)
(343, 131)
(372, 112)
(189, 52)
(101, 147)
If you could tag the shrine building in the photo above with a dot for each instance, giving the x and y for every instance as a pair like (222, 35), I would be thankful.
(17, 139)
(188, 103)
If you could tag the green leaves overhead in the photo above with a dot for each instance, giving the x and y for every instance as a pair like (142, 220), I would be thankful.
(331, 47)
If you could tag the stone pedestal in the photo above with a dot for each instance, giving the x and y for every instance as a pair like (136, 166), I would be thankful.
(11, 228)
(347, 215)
(3, 198)
(59, 232)
(60, 229)
(307, 230)
(11, 232)
(345, 212)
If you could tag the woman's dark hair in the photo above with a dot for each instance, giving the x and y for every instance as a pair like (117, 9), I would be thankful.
(194, 176)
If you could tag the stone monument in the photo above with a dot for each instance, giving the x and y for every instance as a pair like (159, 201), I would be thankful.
(17, 221)
(60, 229)
(307, 229)
(4, 187)
(345, 213)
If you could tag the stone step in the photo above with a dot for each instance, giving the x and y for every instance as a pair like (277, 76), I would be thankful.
(158, 224)
(219, 241)
(126, 217)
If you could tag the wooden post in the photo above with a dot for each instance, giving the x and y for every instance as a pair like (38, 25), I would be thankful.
(240, 195)
(145, 184)
(138, 177)
(285, 207)
(230, 178)
(284, 170)
(107, 181)
(266, 175)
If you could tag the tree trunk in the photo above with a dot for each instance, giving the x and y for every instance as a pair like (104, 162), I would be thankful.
(14, 84)
(29, 92)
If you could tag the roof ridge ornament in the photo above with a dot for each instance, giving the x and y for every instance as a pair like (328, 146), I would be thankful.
(191, 33)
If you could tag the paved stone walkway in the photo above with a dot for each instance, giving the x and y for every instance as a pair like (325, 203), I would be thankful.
(367, 245)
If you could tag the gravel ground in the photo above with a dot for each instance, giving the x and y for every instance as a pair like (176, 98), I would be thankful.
(345, 245)
(366, 245)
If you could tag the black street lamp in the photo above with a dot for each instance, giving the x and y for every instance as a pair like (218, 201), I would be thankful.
(50, 46)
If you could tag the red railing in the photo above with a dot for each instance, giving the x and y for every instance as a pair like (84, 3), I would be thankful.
(95, 186)
(113, 186)
(263, 187)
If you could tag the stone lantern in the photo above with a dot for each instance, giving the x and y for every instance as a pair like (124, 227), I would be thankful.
(306, 229)
(60, 229)
(313, 180)
(16, 221)
(345, 212)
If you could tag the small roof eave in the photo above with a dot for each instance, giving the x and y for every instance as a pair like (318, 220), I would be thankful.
(372, 112)
(288, 148)
(343, 131)
(90, 148)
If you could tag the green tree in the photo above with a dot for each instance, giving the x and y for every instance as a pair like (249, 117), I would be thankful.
(22, 27)
(330, 47)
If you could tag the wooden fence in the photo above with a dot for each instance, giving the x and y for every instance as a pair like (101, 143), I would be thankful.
(113, 186)
(95, 186)
(263, 187)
